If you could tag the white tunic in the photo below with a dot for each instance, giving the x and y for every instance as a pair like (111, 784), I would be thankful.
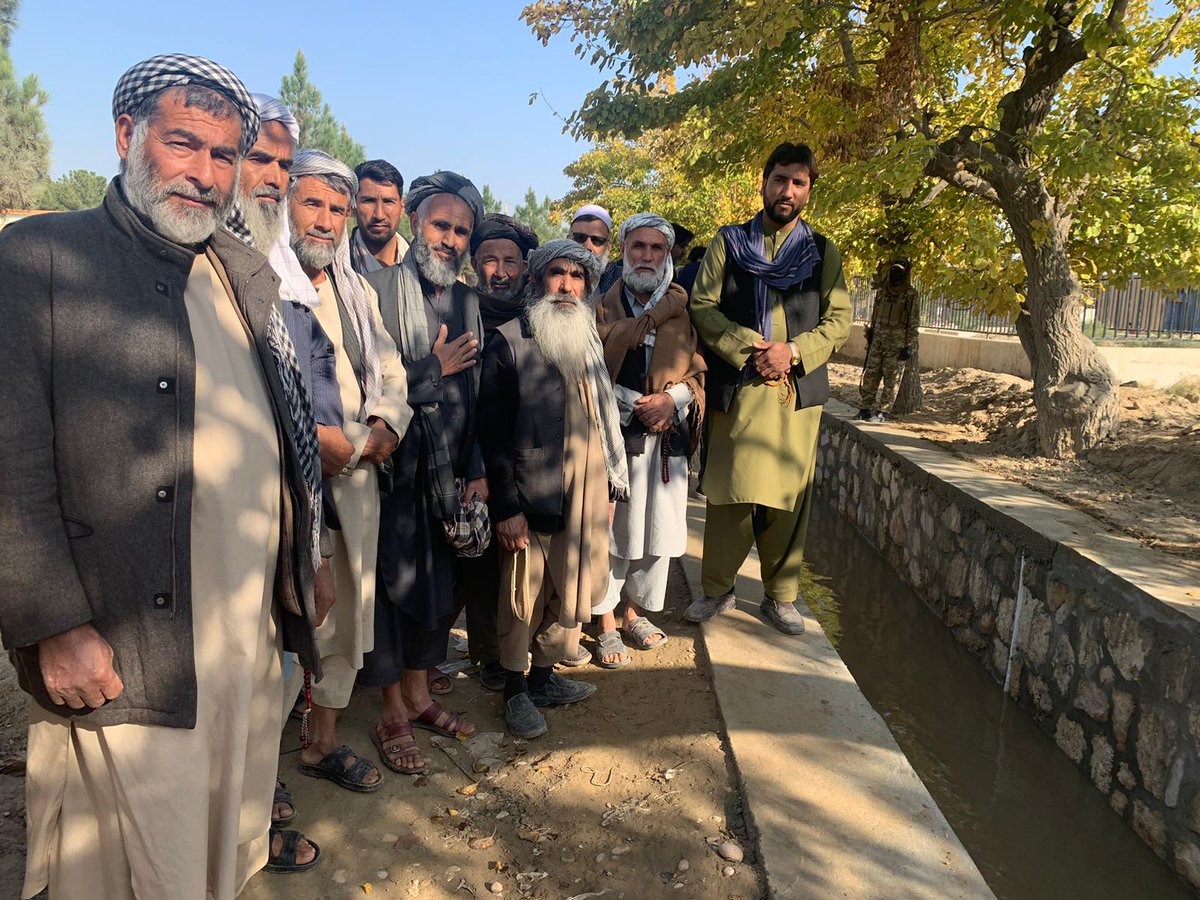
(654, 520)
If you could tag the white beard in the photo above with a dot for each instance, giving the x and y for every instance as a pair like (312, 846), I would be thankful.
(312, 254)
(149, 196)
(436, 271)
(644, 282)
(563, 333)
(265, 221)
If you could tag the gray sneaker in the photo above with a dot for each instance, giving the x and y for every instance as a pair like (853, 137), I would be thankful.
(783, 616)
(705, 607)
(523, 718)
(559, 691)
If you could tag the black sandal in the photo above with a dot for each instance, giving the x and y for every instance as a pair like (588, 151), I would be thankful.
(283, 795)
(333, 767)
(284, 863)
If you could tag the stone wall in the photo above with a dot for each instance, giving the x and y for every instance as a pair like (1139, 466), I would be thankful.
(1110, 673)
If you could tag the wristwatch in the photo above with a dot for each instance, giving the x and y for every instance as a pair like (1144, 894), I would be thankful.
(795, 354)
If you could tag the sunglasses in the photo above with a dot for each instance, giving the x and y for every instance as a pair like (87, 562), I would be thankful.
(580, 238)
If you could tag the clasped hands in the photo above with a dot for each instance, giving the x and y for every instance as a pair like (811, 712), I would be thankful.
(772, 359)
(655, 411)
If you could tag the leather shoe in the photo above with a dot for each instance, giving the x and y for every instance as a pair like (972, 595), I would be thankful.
(705, 607)
(523, 718)
(783, 616)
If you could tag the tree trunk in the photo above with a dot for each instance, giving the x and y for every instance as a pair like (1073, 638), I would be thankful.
(910, 397)
(1074, 389)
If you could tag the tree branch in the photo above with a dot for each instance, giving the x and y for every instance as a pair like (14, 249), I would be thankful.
(950, 164)
(848, 52)
(1162, 49)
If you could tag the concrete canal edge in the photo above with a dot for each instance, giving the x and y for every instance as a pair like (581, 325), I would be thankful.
(834, 806)
(1092, 634)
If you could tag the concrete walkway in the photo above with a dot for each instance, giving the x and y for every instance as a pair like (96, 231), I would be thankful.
(833, 803)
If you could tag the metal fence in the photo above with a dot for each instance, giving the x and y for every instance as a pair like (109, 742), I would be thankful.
(1132, 312)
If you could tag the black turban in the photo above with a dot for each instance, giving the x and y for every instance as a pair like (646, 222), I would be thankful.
(499, 227)
(446, 183)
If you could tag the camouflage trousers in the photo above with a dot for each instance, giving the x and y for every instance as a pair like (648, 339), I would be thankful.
(883, 364)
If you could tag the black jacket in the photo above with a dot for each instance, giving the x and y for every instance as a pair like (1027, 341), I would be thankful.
(96, 431)
(522, 405)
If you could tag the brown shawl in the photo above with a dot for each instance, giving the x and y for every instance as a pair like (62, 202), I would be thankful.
(676, 356)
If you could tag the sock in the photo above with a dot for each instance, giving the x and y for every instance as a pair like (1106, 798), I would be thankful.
(514, 683)
(539, 675)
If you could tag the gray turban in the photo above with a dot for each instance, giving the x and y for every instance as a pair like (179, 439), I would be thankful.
(499, 227)
(647, 220)
(144, 80)
(445, 183)
(272, 110)
(650, 220)
(564, 249)
(318, 162)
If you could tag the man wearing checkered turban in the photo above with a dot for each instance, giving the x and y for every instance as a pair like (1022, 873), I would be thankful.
(155, 535)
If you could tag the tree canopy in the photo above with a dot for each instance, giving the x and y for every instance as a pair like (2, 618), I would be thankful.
(319, 128)
(541, 216)
(1012, 149)
(78, 189)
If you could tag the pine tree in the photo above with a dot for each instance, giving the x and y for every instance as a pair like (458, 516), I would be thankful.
(541, 217)
(24, 142)
(78, 189)
(319, 129)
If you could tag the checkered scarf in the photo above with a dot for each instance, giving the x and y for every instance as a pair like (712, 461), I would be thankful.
(299, 404)
(158, 73)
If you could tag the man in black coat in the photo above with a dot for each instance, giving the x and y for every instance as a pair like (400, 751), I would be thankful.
(552, 446)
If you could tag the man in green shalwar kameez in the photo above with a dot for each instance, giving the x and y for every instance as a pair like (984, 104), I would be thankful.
(770, 305)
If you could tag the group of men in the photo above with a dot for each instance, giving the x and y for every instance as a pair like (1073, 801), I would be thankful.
(255, 456)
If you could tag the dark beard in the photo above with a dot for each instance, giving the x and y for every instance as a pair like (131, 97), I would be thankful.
(502, 295)
(790, 217)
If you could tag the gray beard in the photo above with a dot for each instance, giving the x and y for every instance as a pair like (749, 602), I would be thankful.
(438, 273)
(314, 255)
(265, 220)
(149, 196)
(641, 282)
(562, 333)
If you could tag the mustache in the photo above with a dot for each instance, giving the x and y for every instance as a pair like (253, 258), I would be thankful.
(443, 248)
(268, 191)
(184, 188)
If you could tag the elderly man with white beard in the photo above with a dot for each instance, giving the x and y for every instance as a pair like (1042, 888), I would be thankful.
(155, 551)
(259, 218)
(549, 424)
(434, 320)
(653, 357)
(374, 395)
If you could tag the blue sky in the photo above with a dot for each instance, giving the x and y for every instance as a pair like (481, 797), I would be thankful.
(425, 85)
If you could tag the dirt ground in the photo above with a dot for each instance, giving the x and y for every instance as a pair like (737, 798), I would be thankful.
(1144, 482)
(622, 789)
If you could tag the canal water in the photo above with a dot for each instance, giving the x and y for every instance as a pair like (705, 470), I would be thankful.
(1033, 823)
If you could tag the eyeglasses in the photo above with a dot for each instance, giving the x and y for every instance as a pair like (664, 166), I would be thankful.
(595, 240)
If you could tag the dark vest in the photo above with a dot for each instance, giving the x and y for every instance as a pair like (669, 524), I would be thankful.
(633, 376)
(802, 311)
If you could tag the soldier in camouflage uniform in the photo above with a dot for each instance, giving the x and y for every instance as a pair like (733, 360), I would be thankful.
(891, 338)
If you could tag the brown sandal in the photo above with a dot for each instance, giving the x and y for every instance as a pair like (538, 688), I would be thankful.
(439, 683)
(394, 742)
(441, 721)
